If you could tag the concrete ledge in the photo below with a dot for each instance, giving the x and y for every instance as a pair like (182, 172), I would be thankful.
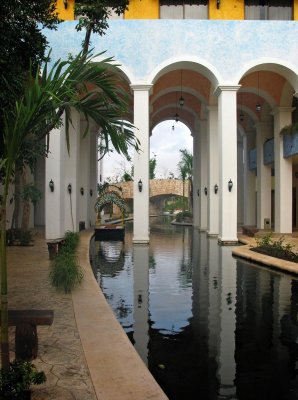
(245, 252)
(116, 370)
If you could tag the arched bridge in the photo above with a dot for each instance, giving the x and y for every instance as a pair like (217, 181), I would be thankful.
(160, 190)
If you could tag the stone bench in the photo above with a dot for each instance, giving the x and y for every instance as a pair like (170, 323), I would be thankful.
(26, 321)
(54, 246)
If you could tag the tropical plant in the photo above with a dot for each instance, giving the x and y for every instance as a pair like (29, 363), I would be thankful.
(290, 129)
(22, 44)
(31, 194)
(185, 170)
(152, 167)
(87, 86)
(66, 273)
(16, 381)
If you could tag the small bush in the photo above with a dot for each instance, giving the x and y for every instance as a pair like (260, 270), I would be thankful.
(185, 216)
(18, 236)
(15, 382)
(66, 272)
(275, 248)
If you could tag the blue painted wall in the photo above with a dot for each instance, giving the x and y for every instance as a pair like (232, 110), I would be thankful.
(228, 48)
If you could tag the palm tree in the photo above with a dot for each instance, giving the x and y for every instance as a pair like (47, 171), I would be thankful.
(46, 97)
(186, 172)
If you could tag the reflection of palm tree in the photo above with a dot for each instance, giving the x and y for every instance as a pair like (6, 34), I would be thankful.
(185, 169)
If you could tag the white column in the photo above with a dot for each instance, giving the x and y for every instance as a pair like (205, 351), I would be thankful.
(196, 179)
(264, 132)
(93, 174)
(203, 200)
(213, 173)
(227, 128)
(283, 174)
(54, 201)
(141, 164)
(240, 178)
(72, 168)
(141, 301)
(84, 175)
(249, 183)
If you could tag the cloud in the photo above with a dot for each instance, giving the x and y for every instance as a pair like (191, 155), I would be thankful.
(164, 144)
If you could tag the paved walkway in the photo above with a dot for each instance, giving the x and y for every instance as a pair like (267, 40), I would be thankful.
(85, 353)
(60, 353)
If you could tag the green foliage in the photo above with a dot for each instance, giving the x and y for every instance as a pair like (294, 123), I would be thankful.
(94, 15)
(18, 379)
(22, 45)
(31, 193)
(66, 272)
(18, 236)
(152, 167)
(175, 203)
(275, 248)
(185, 164)
(184, 216)
(290, 129)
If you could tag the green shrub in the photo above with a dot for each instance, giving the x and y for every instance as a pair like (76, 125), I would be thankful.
(185, 216)
(71, 240)
(275, 248)
(66, 272)
(18, 236)
(15, 382)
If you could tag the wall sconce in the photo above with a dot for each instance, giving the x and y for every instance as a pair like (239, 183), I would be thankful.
(91, 192)
(216, 188)
(69, 188)
(65, 2)
(140, 185)
(198, 192)
(205, 191)
(51, 185)
(217, 4)
(230, 185)
(82, 191)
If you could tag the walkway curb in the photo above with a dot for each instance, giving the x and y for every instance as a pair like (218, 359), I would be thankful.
(116, 370)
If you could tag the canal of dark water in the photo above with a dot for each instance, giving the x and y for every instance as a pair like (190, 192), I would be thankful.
(207, 325)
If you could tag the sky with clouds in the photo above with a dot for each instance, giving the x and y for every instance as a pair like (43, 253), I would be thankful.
(164, 144)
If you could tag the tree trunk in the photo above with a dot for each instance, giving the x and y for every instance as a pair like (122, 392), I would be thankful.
(26, 204)
(87, 40)
(26, 215)
(17, 195)
(3, 274)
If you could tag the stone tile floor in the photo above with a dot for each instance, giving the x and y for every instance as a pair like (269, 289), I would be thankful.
(60, 353)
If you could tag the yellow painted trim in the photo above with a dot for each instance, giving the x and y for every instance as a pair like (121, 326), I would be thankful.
(142, 9)
(295, 13)
(228, 9)
(68, 13)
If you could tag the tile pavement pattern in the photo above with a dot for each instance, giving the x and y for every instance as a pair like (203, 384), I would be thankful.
(60, 354)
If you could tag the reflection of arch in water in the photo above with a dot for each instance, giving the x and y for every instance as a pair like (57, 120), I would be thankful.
(110, 258)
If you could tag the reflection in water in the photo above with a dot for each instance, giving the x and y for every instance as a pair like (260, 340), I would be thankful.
(207, 325)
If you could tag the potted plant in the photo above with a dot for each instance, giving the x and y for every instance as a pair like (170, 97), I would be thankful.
(15, 383)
